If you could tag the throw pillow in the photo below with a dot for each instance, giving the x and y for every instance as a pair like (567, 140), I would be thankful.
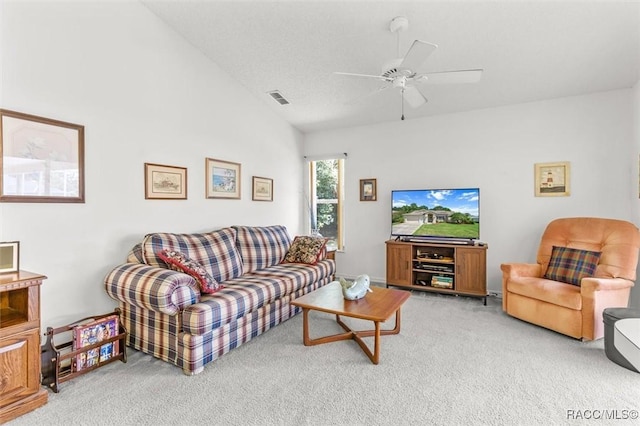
(305, 250)
(570, 265)
(181, 263)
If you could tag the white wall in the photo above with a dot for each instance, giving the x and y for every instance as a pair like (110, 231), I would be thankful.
(635, 189)
(143, 95)
(495, 150)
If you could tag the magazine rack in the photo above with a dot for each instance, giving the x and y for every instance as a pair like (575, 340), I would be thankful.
(59, 359)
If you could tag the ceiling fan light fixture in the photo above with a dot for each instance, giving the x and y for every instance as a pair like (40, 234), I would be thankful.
(400, 82)
(399, 23)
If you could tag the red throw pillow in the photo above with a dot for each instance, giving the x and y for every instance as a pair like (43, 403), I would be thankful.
(181, 263)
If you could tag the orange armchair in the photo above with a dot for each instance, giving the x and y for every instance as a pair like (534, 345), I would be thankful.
(574, 310)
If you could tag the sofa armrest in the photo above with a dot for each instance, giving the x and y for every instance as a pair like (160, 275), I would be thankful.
(592, 284)
(512, 270)
(149, 287)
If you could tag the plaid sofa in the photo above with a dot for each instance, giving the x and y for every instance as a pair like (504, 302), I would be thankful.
(168, 317)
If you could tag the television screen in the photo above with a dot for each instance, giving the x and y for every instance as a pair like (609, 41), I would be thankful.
(436, 213)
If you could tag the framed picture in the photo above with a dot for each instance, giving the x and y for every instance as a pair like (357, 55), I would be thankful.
(164, 182)
(262, 189)
(222, 179)
(552, 179)
(9, 257)
(42, 159)
(367, 190)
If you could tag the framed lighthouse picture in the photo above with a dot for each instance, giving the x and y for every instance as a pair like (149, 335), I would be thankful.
(552, 179)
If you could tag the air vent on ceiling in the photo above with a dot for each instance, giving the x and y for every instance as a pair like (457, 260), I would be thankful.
(278, 97)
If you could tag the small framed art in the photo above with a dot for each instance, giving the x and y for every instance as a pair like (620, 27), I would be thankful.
(368, 190)
(9, 257)
(164, 182)
(42, 159)
(223, 179)
(262, 189)
(552, 179)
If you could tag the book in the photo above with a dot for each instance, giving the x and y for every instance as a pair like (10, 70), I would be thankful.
(92, 333)
(441, 282)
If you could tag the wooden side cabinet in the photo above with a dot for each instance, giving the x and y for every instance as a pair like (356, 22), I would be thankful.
(442, 268)
(398, 263)
(20, 390)
(471, 271)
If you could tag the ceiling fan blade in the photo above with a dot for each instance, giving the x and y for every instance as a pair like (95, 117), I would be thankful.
(451, 77)
(350, 74)
(360, 98)
(417, 54)
(413, 96)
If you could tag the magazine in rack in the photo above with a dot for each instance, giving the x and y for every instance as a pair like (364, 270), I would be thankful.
(92, 333)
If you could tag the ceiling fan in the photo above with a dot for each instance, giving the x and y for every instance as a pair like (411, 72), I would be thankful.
(402, 73)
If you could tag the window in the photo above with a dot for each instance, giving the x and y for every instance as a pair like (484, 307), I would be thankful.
(326, 188)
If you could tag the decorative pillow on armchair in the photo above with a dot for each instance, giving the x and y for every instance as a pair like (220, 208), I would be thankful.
(181, 263)
(305, 250)
(570, 265)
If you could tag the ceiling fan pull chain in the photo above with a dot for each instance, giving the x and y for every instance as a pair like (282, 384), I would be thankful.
(402, 101)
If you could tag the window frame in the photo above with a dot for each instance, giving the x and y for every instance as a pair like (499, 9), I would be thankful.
(313, 199)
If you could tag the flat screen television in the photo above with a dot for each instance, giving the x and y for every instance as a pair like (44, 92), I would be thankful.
(448, 214)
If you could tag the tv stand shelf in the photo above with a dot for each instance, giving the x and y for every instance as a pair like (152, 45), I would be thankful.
(436, 267)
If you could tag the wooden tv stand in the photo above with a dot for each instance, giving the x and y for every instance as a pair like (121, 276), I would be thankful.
(441, 268)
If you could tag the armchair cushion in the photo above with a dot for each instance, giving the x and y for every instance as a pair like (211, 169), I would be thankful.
(553, 292)
(569, 265)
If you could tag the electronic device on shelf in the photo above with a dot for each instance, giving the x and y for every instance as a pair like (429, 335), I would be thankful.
(438, 215)
(434, 268)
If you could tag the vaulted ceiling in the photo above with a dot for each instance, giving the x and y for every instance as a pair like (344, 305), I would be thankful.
(529, 51)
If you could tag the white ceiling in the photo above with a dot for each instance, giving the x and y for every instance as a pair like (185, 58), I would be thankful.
(529, 51)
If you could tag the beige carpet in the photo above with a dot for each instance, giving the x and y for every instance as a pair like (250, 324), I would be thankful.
(456, 362)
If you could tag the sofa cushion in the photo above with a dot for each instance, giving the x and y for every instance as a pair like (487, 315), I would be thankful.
(215, 251)
(251, 292)
(135, 254)
(305, 250)
(178, 261)
(261, 247)
(570, 265)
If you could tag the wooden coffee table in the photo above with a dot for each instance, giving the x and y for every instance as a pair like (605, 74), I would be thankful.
(377, 307)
